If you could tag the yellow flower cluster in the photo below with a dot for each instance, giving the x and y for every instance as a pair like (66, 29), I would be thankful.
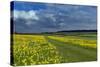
(34, 49)
(74, 40)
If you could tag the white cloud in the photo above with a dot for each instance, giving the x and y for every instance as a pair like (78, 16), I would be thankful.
(25, 15)
(51, 16)
(62, 24)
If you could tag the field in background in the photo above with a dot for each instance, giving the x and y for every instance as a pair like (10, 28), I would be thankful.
(51, 49)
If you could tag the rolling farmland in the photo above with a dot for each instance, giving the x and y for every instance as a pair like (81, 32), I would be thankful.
(52, 49)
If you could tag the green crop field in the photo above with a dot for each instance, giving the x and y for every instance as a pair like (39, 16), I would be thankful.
(51, 49)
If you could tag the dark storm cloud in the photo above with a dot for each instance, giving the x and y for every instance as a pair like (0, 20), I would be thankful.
(54, 17)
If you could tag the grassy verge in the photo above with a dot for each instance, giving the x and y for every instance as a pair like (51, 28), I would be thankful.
(74, 53)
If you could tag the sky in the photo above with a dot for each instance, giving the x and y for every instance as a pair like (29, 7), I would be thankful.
(35, 17)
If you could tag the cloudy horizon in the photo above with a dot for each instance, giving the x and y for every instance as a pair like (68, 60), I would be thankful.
(31, 17)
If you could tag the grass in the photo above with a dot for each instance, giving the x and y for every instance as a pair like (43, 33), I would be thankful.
(74, 52)
(53, 49)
